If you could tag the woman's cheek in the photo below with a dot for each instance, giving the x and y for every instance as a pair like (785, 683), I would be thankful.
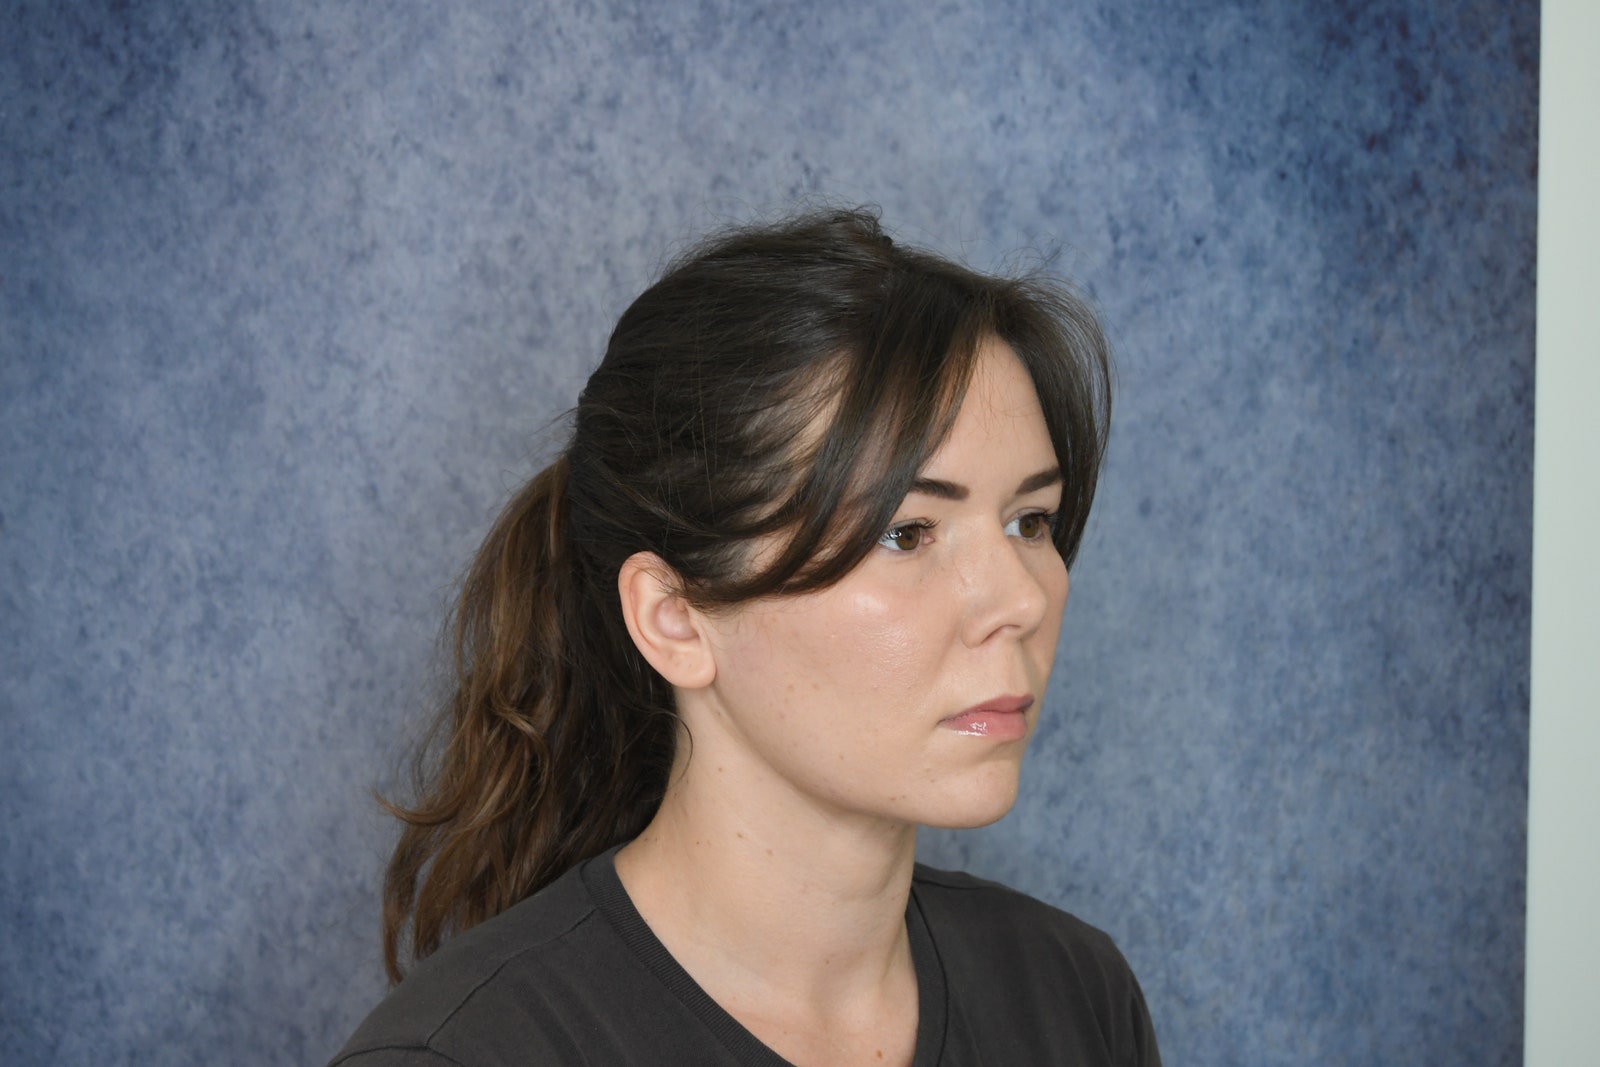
(892, 650)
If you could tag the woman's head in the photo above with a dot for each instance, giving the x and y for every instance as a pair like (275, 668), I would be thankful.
(760, 415)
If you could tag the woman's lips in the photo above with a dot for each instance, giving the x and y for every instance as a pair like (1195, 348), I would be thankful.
(1001, 719)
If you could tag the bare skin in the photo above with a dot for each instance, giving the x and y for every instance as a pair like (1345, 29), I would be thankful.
(778, 868)
(803, 940)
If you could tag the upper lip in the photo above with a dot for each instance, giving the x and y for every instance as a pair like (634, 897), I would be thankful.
(1005, 705)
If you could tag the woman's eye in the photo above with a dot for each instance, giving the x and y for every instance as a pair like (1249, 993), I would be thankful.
(1034, 526)
(905, 537)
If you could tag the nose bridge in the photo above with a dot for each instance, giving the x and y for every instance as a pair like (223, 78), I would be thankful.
(1000, 589)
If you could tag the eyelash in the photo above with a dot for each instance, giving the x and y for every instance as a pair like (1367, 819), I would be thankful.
(923, 526)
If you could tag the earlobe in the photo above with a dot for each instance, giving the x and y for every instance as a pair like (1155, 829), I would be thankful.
(664, 626)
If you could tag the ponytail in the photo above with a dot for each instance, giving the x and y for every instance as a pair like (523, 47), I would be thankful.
(536, 766)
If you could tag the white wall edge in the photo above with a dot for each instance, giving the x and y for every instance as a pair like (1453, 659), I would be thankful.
(1562, 1025)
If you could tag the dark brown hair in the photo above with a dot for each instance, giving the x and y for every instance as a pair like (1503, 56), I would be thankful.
(785, 380)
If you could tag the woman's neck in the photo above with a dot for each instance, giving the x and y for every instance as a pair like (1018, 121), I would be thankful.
(789, 915)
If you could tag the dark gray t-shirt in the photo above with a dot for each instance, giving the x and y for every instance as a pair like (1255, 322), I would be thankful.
(572, 975)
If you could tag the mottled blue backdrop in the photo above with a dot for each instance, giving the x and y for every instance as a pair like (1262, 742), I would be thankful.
(289, 291)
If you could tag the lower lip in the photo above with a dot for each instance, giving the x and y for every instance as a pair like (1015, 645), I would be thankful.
(997, 725)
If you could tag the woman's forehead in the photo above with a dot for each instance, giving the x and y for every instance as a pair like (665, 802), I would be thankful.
(999, 429)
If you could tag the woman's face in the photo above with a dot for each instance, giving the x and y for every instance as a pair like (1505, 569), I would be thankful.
(909, 690)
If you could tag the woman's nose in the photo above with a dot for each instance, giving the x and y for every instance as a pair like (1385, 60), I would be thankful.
(1004, 591)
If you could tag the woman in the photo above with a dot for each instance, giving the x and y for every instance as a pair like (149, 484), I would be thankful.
(792, 590)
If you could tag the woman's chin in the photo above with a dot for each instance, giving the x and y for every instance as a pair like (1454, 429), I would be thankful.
(980, 803)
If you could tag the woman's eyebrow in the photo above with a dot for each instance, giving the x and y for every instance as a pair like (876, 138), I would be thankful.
(1042, 480)
(951, 491)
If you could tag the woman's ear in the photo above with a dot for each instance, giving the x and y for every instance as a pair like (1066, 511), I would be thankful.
(666, 629)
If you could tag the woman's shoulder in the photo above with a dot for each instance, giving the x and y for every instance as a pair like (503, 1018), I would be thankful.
(500, 964)
(991, 908)
(1010, 958)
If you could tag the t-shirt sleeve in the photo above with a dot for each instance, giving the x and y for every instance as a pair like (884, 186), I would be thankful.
(1125, 1017)
(1141, 1036)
